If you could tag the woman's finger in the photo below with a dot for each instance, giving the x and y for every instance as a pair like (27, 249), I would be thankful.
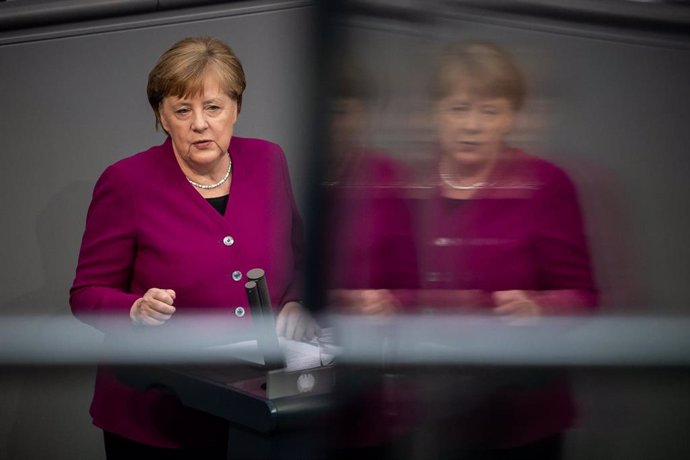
(300, 327)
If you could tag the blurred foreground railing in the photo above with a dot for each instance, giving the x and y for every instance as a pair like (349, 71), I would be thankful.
(406, 340)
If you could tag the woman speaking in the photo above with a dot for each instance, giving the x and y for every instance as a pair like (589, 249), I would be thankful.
(174, 229)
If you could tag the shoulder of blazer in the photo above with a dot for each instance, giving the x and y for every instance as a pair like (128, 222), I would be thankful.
(155, 162)
(254, 146)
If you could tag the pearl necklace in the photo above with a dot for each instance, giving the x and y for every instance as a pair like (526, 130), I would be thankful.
(217, 184)
(446, 180)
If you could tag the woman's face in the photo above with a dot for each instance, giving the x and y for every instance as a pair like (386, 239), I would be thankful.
(200, 126)
(472, 130)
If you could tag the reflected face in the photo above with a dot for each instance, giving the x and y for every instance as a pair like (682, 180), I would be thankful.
(472, 130)
(200, 125)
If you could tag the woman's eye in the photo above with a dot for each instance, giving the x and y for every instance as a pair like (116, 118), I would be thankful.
(459, 108)
(490, 111)
(182, 111)
(213, 108)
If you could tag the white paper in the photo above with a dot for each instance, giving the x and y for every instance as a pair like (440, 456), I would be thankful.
(300, 355)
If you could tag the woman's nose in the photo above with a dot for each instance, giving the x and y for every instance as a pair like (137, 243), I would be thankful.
(473, 122)
(199, 122)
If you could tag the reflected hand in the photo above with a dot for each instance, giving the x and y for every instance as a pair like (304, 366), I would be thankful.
(516, 304)
(154, 308)
(365, 301)
(294, 322)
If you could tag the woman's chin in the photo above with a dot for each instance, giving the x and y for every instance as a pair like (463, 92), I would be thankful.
(203, 156)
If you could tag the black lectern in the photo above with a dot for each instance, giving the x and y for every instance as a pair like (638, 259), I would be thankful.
(289, 427)
(273, 412)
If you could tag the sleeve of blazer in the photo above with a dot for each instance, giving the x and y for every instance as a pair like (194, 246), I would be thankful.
(106, 258)
(562, 248)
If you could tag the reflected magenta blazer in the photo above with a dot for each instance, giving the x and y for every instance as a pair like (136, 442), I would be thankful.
(148, 227)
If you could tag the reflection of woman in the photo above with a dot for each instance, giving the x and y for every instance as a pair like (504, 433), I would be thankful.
(175, 228)
(505, 226)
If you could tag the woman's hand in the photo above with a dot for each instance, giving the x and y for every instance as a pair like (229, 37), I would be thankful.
(365, 301)
(516, 305)
(294, 322)
(154, 308)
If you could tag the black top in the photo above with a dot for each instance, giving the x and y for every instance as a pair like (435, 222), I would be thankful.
(219, 202)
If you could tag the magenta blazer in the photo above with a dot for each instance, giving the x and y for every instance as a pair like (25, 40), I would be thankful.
(524, 232)
(148, 227)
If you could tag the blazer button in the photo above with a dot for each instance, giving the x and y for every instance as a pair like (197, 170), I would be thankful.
(228, 240)
(237, 275)
(239, 312)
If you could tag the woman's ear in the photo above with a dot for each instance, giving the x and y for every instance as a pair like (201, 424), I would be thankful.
(161, 119)
(237, 110)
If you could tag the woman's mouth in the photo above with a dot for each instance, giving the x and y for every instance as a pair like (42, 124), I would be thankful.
(468, 146)
(203, 144)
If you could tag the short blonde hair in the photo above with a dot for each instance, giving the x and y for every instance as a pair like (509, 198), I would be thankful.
(484, 69)
(181, 70)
